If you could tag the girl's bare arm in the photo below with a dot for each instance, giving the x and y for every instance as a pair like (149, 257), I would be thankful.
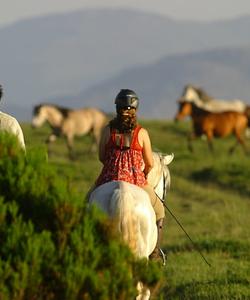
(146, 151)
(103, 141)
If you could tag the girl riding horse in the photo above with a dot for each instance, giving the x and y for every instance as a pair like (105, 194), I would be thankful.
(126, 154)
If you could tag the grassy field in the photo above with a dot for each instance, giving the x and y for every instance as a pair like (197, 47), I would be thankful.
(210, 196)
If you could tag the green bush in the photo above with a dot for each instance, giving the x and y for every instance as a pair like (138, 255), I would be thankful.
(52, 245)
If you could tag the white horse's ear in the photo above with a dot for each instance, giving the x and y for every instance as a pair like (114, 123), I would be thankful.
(167, 159)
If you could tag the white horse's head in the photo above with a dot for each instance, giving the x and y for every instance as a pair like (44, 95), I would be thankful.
(159, 176)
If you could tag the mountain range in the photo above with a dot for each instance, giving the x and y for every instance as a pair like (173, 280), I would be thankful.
(83, 58)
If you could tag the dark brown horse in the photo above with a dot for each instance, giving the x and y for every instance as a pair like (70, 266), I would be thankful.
(213, 124)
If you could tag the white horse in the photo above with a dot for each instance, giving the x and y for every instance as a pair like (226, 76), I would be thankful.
(11, 125)
(130, 206)
(203, 100)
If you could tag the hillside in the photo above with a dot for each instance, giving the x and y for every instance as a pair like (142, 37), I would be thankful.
(223, 73)
(59, 56)
(209, 197)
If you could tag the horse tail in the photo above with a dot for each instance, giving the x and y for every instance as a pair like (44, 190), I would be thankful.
(247, 113)
(122, 204)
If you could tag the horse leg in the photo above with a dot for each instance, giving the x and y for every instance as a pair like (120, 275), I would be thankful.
(190, 138)
(70, 141)
(209, 135)
(96, 139)
(247, 133)
(232, 149)
(143, 292)
(93, 147)
(50, 139)
(239, 140)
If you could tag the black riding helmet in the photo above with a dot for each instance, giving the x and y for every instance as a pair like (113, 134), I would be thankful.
(126, 98)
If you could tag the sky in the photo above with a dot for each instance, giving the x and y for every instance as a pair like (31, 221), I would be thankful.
(198, 10)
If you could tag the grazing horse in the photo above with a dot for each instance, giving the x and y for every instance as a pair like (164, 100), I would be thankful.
(213, 124)
(203, 100)
(130, 206)
(70, 123)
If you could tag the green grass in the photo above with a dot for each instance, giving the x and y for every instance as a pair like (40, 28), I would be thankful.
(210, 196)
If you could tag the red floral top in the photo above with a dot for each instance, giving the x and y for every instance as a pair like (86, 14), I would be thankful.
(121, 163)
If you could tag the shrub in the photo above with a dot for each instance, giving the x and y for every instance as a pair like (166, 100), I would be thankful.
(52, 245)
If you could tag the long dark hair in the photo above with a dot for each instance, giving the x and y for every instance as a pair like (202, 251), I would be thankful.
(125, 120)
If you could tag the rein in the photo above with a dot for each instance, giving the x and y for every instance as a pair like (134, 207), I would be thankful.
(181, 226)
(163, 173)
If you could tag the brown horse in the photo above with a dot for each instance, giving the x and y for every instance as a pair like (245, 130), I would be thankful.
(198, 96)
(213, 124)
(70, 123)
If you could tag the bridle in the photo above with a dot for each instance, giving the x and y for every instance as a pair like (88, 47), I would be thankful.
(163, 177)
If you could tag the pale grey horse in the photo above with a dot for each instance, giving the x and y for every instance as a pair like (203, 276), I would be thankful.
(70, 123)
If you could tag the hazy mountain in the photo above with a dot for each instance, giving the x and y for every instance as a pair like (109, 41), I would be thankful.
(223, 73)
(61, 55)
